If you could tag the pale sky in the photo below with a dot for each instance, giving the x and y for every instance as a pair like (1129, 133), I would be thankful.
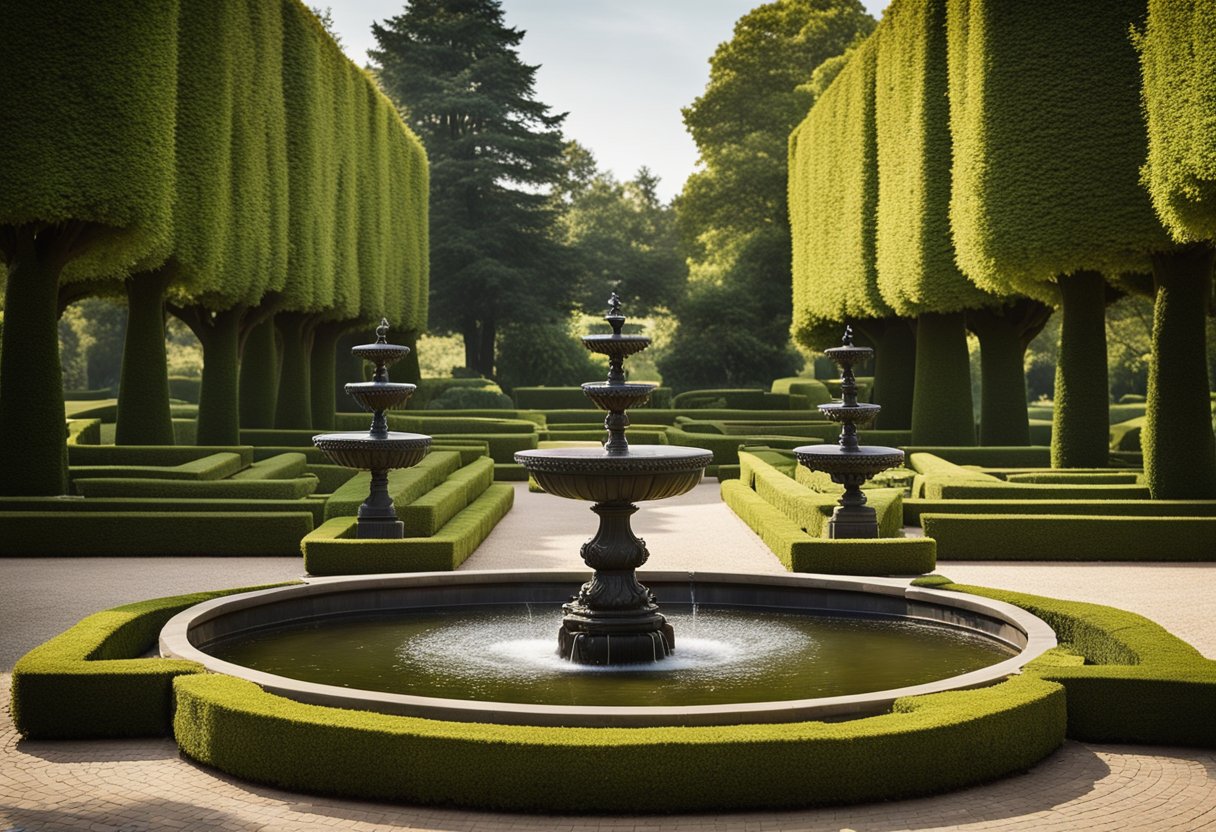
(622, 69)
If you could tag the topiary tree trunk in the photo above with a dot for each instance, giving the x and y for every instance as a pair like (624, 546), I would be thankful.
(259, 376)
(941, 402)
(1080, 431)
(347, 368)
(1179, 453)
(323, 364)
(894, 341)
(1004, 335)
(294, 407)
(144, 417)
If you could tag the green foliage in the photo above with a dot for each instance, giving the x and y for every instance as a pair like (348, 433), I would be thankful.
(229, 489)
(543, 354)
(1049, 138)
(941, 399)
(833, 197)
(334, 550)
(552, 398)
(405, 485)
(943, 488)
(927, 744)
(471, 398)
(913, 508)
(425, 516)
(432, 388)
(988, 457)
(456, 72)
(1069, 537)
(1179, 70)
(91, 681)
(1138, 684)
(915, 262)
(124, 534)
(1080, 418)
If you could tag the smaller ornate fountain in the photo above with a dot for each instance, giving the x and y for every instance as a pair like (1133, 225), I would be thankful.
(379, 450)
(614, 619)
(849, 463)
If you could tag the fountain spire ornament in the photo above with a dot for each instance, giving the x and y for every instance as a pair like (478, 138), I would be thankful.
(614, 619)
(850, 463)
(379, 450)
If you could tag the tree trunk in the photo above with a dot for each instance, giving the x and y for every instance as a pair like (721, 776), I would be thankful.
(33, 454)
(1080, 431)
(894, 341)
(489, 331)
(294, 409)
(323, 366)
(408, 369)
(941, 403)
(470, 333)
(260, 376)
(348, 368)
(1179, 451)
(143, 392)
(219, 395)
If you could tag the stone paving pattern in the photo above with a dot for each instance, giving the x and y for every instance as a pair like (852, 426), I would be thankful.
(124, 786)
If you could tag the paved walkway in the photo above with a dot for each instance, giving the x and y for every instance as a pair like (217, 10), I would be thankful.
(146, 785)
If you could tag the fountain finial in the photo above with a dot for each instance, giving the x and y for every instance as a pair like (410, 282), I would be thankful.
(614, 316)
(847, 340)
(382, 332)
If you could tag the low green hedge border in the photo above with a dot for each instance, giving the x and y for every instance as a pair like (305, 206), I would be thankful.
(405, 485)
(926, 744)
(914, 508)
(161, 505)
(1078, 478)
(332, 548)
(147, 534)
(1139, 683)
(90, 681)
(211, 467)
(799, 552)
(152, 454)
(230, 489)
(988, 456)
(84, 431)
(1071, 537)
(947, 488)
(428, 514)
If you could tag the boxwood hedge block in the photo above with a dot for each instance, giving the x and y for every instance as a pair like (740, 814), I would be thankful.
(163, 505)
(1070, 537)
(84, 431)
(914, 508)
(277, 467)
(329, 477)
(211, 467)
(927, 744)
(944, 488)
(726, 448)
(332, 549)
(1077, 478)
(162, 455)
(810, 509)
(133, 533)
(293, 489)
(90, 681)
(426, 515)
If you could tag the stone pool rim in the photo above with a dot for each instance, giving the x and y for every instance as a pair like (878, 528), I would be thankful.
(1023, 632)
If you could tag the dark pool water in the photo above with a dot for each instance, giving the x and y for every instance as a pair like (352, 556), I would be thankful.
(508, 654)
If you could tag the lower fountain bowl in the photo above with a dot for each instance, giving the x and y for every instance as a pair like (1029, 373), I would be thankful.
(646, 472)
(367, 453)
(325, 606)
(866, 461)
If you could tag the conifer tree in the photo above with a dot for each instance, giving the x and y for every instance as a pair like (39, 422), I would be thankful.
(454, 67)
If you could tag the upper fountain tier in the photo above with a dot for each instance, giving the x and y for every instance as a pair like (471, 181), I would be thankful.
(380, 393)
(616, 394)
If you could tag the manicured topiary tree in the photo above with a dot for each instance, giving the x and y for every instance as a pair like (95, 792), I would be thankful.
(916, 270)
(833, 198)
(1178, 59)
(86, 189)
(1048, 141)
(231, 237)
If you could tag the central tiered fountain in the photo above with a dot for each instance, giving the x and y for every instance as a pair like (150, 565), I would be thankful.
(379, 450)
(850, 463)
(614, 619)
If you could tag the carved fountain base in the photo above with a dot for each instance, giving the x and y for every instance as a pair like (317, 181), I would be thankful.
(614, 619)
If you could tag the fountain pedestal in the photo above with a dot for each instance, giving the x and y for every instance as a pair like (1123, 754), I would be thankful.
(850, 463)
(614, 618)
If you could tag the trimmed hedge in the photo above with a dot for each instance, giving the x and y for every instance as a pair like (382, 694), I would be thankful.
(1071, 537)
(404, 484)
(207, 468)
(434, 423)
(329, 477)
(162, 455)
(561, 398)
(988, 456)
(428, 514)
(84, 431)
(293, 489)
(914, 508)
(726, 448)
(332, 548)
(134, 533)
(164, 505)
(1071, 478)
(927, 744)
(90, 681)
(1139, 684)
(277, 467)
(813, 390)
(800, 552)
(949, 489)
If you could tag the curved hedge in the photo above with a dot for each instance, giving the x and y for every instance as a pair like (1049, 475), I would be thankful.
(927, 744)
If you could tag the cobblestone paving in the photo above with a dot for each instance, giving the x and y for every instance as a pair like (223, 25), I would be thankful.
(125, 786)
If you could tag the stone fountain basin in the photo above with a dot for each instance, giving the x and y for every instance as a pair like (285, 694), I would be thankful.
(833, 459)
(616, 345)
(380, 395)
(367, 452)
(646, 472)
(187, 635)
